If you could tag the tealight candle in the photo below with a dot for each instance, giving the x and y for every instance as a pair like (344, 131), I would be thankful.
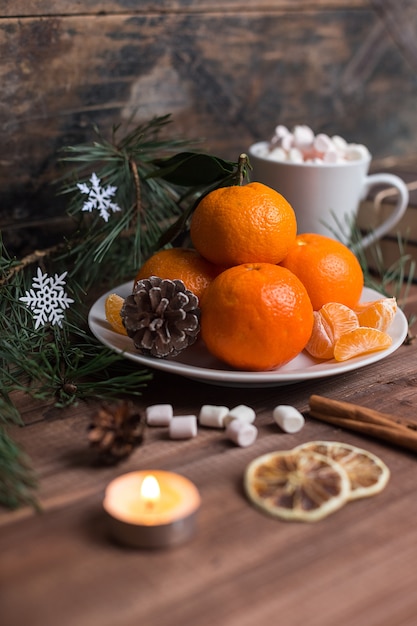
(152, 509)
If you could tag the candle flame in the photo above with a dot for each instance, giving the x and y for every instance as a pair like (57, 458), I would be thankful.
(150, 490)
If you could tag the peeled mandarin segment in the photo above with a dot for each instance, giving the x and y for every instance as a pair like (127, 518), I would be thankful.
(361, 306)
(320, 344)
(367, 473)
(112, 308)
(297, 485)
(330, 322)
(378, 314)
(340, 317)
(360, 341)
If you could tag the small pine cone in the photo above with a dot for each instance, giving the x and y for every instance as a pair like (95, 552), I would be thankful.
(115, 431)
(161, 316)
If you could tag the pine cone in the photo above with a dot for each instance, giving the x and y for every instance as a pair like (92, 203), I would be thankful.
(161, 316)
(115, 431)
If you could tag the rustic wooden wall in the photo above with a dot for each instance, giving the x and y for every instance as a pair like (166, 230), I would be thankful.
(227, 71)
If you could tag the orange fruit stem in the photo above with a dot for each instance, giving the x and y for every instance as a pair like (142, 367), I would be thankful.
(242, 164)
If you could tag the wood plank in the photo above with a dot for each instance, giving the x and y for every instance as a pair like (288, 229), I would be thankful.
(242, 568)
(61, 74)
(319, 574)
(29, 8)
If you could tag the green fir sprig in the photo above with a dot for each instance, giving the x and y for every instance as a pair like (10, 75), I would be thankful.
(156, 189)
(18, 481)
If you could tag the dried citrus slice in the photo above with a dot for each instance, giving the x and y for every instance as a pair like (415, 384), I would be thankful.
(359, 341)
(367, 473)
(297, 485)
(112, 308)
(330, 322)
(378, 314)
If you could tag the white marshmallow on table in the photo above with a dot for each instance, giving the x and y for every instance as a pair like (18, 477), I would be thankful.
(159, 414)
(242, 413)
(288, 418)
(241, 433)
(183, 427)
(212, 415)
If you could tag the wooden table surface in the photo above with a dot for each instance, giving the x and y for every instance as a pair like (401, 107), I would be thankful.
(356, 567)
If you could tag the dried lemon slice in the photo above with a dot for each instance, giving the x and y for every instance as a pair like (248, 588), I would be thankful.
(297, 484)
(367, 473)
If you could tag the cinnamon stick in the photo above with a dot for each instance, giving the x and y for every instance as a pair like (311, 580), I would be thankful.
(354, 411)
(390, 435)
(365, 421)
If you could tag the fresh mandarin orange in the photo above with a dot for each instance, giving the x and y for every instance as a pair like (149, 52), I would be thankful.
(327, 268)
(256, 316)
(112, 307)
(183, 263)
(243, 224)
(360, 341)
(377, 314)
(330, 322)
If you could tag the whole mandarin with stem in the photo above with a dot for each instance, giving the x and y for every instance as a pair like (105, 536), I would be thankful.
(249, 223)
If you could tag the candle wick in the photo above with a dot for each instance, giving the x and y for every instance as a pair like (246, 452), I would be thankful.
(150, 505)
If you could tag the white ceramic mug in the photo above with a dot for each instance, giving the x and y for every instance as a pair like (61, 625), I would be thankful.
(325, 196)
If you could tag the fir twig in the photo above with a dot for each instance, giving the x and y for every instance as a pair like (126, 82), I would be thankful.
(18, 482)
(147, 203)
(67, 364)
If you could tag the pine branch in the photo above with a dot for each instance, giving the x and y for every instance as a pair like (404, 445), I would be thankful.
(155, 186)
(17, 479)
(18, 482)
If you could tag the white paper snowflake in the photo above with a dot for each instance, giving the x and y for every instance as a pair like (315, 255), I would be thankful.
(99, 197)
(47, 299)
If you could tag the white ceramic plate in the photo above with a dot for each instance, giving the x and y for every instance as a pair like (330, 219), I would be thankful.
(198, 364)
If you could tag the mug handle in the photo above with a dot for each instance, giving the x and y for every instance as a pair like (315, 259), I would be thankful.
(391, 180)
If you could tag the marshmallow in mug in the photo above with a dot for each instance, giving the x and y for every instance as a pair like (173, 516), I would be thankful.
(301, 145)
